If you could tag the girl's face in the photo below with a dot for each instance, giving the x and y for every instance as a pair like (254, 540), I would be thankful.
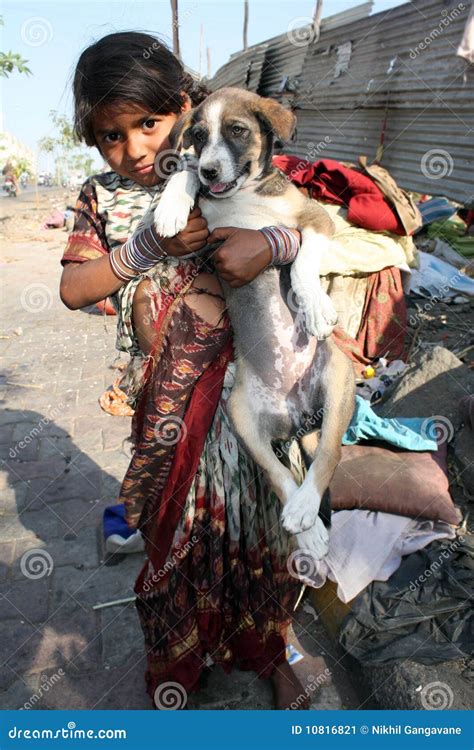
(129, 138)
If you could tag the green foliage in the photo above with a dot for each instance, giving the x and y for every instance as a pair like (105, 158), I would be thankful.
(11, 61)
(70, 155)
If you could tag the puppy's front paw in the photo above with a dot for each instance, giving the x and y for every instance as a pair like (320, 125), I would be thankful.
(301, 510)
(171, 213)
(314, 541)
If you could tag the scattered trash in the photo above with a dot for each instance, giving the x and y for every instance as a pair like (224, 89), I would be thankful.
(58, 219)
(454, 231)
(292, 655)
(118, 537)
(378, 377)
(114, 400)
(310, 610)
(114, 603)
(436, 279)
(446, 252)
(422, 612)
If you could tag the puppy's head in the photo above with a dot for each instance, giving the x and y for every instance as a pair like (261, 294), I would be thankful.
(232, 132)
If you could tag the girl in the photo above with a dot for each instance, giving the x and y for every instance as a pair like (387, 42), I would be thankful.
(215, 582)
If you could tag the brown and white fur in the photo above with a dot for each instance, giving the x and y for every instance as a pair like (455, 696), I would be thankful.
(288, 369)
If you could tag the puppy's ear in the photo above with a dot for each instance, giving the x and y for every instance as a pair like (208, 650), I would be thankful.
(280, 121)
(179, 135)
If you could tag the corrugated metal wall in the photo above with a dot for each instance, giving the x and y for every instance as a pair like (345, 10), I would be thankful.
(425, 95)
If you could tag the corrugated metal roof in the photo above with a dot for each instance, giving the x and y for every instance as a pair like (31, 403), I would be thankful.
(243, 70)
(425, 95)
(390, 41)
(403, 71)
(277, 58)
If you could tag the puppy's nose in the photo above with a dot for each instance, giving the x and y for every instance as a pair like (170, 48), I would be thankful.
(210, 173)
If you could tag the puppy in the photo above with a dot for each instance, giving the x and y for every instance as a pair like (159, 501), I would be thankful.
(288, 369)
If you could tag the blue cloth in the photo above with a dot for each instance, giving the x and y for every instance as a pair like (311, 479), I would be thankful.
(114, 522)
(409, 433)
(436, 209)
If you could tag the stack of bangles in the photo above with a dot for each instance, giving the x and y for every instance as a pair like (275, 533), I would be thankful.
(138, 255)
(283, 242)
(143, 251)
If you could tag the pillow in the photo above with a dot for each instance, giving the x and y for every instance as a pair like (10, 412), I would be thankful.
(392, 480)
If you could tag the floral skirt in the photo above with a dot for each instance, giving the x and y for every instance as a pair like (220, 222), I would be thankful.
(216, 581)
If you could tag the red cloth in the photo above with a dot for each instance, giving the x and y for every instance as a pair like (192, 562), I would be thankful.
(197, 422)
(328, 180)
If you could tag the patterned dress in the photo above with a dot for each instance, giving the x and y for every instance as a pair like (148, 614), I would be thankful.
(216, 580)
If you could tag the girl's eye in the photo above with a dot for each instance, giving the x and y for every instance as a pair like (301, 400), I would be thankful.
(149, 124)
(111, 137)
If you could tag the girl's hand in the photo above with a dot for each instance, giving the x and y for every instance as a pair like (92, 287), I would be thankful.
(191, 239)
(244, 254)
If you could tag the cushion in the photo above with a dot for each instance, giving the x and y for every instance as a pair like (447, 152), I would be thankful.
(392, 480)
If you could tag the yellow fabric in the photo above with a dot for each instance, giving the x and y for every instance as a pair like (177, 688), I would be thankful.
(355, 250)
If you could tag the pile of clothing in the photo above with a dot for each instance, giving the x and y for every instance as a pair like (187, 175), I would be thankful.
(396, 552)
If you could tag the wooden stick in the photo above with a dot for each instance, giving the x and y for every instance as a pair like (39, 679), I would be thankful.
(114, 603)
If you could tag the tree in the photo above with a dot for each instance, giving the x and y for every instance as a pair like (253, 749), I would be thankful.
(11, 61)
(69, 154)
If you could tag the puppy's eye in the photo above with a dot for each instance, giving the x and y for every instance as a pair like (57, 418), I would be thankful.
(199, 135)
(237, 130)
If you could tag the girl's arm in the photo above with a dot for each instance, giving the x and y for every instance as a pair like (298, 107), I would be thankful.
(85, 283)
(91, 281)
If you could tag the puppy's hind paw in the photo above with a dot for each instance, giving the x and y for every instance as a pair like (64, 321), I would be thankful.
(314, 540)
(301, 511)
(315, 310)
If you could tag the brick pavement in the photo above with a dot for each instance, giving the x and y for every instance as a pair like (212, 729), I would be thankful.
(62, 463)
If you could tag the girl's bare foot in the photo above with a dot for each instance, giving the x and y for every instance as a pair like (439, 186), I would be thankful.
(288, 690)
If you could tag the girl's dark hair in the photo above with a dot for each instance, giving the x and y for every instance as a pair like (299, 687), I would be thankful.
(130, 66)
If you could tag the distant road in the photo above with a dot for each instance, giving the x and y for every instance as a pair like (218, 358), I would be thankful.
(28, 194)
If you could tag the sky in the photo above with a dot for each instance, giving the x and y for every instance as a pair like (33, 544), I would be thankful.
(51, 36)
